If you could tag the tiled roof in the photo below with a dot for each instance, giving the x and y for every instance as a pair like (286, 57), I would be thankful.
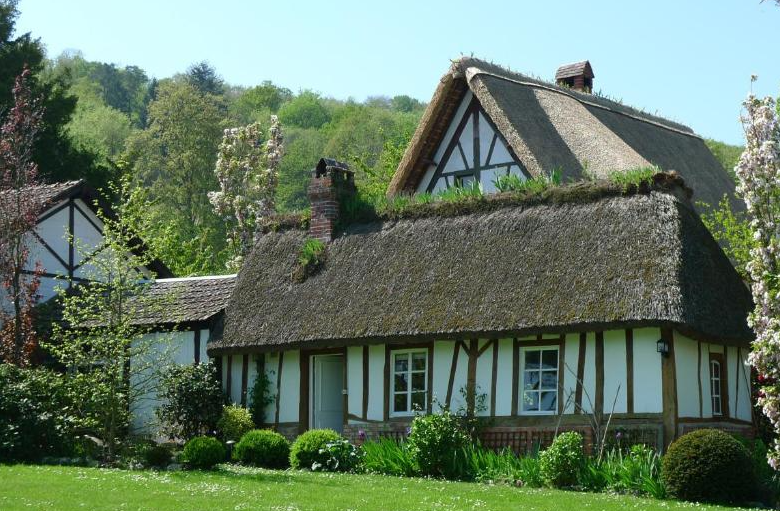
(188, 299)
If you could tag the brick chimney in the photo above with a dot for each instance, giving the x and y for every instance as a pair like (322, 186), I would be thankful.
(330, 182)
(578, 76)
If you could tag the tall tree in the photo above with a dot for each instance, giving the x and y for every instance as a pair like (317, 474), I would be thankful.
(173, 162)
(204, 77)
(18, 215)
(58, 159)
(248, 172)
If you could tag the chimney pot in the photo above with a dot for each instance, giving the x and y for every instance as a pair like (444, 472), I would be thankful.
(331, 181)
(578, 76)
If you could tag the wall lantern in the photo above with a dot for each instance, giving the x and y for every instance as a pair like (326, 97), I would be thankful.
(662, 347)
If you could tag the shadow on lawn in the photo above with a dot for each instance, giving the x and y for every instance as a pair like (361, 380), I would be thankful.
(239, 473)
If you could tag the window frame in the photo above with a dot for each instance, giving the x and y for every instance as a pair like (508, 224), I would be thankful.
(391, 392)
(723, 385)
(521, 391)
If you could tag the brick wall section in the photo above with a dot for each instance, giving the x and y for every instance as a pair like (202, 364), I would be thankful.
(522, 440)
(324, 208)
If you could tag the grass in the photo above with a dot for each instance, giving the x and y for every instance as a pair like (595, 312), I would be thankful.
(238, 488)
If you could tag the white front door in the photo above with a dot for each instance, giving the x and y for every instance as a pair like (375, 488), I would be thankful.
(327, 390)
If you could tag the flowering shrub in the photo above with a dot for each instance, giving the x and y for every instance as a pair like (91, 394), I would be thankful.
(248, 174)
(758, 172)
(338, 456)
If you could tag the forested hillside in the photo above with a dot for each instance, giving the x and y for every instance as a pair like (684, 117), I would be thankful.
(163, 135)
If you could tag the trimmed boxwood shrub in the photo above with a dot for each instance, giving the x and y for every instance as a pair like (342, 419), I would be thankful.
(235, 422)
(305, 451)
(437, 445)
(263, 448)
(708, 465)
(203, 452)
(560, 464)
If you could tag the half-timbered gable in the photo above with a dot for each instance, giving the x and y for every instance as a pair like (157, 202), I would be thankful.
(472, 151)
(542, 127)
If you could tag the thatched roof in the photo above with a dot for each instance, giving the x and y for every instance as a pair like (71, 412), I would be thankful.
(585, 258)
(549, 127)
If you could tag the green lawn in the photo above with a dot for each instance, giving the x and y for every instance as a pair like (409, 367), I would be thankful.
(236, 488)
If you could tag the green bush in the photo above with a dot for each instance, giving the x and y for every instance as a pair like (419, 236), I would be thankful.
(560, 464)
(192, 400)
(388, 457)
(34, 417)
(305, 451)
(767, 477)
(157, 456)
(437, 445)
(338, 456)
(235, 422)
(203, 452)
(708, 466)
(263, 448)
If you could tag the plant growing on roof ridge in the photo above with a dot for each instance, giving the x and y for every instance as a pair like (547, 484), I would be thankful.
(310, 258)
(758, 174)
(248, 173)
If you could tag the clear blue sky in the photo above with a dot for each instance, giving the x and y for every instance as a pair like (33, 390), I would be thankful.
(689, 60)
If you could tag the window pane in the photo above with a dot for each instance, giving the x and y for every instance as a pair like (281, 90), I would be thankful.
(418, 400)
(530, 401)
(418, 381)
(549, 401)
(550, 379)
(402, 362)
(401, 383)
(716, 406)
(418, 361)
(399, 403)
(531, 380)
(532, 359)
(550, 359)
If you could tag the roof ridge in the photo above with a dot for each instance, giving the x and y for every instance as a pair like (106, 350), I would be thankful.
(470, 71)
(200, 277)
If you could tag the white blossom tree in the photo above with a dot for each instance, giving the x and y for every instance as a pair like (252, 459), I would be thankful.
(248, 172)
(758, 173)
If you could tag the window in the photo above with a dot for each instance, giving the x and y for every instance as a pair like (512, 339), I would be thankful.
(717, 379)
(409, 384)
(539, 380)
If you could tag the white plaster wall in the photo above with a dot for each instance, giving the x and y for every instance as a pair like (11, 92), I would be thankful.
(461, 376)
(589, 375)
(355, 380)
(615, 373)
(205, 336)
(165, 348)
(571, 354)
(87, 237)
(731, 377)
(54, 231)
(271, 367)
(744, 411)
(647, 371)
(704, 377)
(376, 382)
(504, 377)
(442, 360)
(686, 354)
(290, 389)
(485, 376)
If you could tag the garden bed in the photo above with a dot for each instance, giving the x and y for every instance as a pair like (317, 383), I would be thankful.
(236, 488)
